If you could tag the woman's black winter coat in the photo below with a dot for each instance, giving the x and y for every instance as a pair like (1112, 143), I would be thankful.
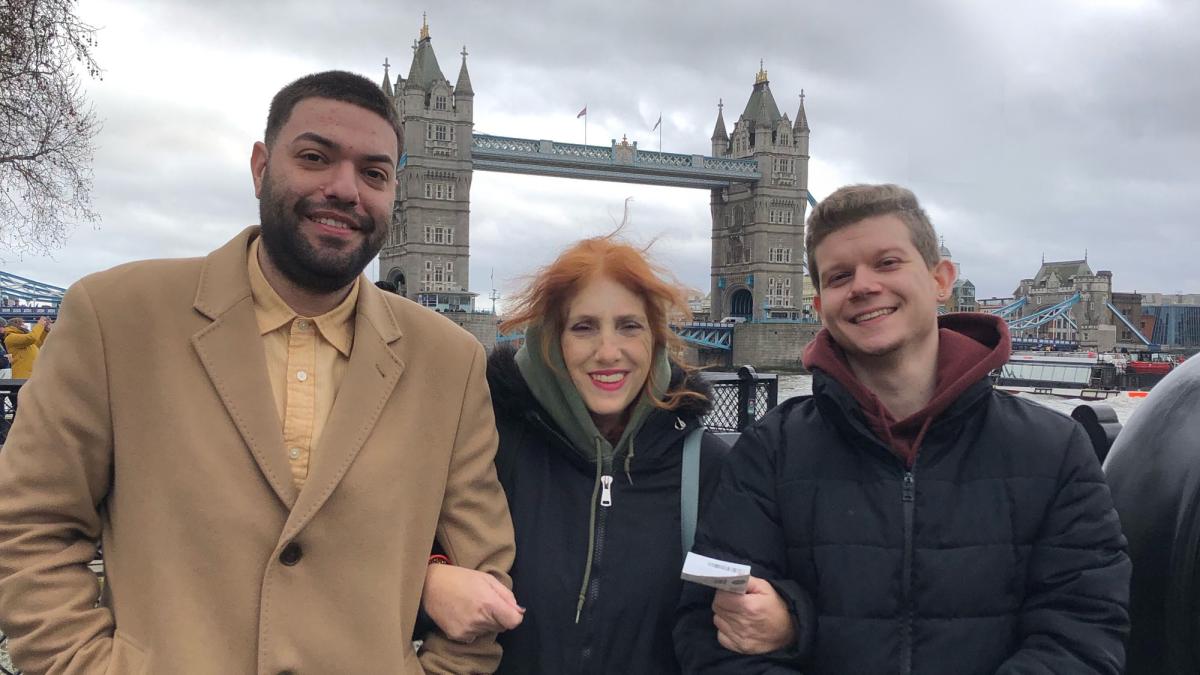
(1000, 552)
(626, 622)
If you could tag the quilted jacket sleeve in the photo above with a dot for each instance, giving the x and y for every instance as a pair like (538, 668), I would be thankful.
(1075, 617)
(741, 524)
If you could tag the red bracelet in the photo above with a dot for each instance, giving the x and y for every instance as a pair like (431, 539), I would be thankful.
(438, 559)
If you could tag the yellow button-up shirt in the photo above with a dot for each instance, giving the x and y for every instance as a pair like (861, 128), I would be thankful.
(306, 360)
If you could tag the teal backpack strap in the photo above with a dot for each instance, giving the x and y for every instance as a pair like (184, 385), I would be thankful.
(689, 487)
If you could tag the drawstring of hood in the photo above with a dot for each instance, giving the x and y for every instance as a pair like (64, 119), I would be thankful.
(545, 373)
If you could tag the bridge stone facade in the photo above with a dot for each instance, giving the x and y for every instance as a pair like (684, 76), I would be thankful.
(758, 227)
(757, 178)
(427, 251)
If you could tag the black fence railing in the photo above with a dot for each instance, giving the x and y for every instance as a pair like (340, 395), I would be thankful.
(8, 405)
(740, 398)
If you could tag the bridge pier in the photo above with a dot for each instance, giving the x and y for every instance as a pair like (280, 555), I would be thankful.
(772, 346)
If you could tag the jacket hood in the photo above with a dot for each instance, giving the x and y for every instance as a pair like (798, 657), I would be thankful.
(970, 345)
(511, 395)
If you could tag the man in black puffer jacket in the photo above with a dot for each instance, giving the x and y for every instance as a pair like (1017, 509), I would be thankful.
(912, 519)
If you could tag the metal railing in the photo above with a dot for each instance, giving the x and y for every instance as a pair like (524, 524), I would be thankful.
(740, 398)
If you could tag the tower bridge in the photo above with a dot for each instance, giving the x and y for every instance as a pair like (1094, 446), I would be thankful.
(756, 176)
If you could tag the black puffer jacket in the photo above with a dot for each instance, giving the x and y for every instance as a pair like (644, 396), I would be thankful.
(626, 622)
(999, 552)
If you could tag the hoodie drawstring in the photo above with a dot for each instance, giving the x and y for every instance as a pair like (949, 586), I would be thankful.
(587, 568)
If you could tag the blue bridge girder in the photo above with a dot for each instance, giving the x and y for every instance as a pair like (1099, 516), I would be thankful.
(1044, 316)
(706, 334)
(626, 164)
(1011, 307)
(20, 288)
(1132, 328)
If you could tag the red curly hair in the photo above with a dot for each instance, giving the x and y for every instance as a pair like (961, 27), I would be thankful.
(547, 298)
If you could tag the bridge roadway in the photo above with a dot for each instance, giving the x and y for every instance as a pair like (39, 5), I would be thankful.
(621, 162)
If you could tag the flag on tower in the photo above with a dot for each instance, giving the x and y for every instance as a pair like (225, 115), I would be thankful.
(582, 113)
(656, 124)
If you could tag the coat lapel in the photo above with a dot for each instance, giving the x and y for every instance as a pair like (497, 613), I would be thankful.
(233, 358)
(370, 378)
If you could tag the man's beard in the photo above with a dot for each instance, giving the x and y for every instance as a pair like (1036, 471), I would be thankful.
(291, 252)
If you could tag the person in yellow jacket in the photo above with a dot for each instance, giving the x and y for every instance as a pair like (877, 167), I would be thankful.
(23, 344)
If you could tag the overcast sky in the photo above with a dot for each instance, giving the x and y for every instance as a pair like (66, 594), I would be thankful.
(1027, 127)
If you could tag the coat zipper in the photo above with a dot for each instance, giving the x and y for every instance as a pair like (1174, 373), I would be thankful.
(907, 496)
(597, 557)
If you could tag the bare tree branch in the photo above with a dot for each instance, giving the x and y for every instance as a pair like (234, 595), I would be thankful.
(46, 124)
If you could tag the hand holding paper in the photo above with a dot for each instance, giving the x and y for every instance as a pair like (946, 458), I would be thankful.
(718, 574)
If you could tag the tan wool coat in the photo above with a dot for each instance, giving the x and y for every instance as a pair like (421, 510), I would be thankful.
(150, 424)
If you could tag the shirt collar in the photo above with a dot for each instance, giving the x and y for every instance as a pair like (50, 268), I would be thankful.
(336, 325)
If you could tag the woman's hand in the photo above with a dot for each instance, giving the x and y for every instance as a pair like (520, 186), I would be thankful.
(467, 603)
(755, 623)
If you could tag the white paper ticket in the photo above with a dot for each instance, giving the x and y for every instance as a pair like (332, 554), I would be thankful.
(718, 574)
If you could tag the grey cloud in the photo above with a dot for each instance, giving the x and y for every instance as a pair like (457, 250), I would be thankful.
(1033, 126)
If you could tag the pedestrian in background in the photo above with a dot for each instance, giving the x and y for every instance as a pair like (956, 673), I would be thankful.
(5, 359)
(23, 344)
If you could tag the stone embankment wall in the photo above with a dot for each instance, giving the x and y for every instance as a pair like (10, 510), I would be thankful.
(772, 347)
(482, 326)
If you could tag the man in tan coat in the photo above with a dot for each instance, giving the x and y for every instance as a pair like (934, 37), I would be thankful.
(270, 461)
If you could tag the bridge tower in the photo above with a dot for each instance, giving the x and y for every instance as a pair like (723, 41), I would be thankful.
(427, 249)
(758, 228)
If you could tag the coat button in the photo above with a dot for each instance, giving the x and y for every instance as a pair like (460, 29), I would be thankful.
(291, 554)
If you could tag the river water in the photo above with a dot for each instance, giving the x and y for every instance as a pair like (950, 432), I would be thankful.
(799, 385)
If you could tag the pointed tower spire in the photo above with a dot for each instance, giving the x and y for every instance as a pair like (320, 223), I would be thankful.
(463, 88)
(387, 79)
(424, 70)
(801, 117)
(719, 133)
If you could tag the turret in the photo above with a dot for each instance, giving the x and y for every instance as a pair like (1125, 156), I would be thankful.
(387, 80)
(801, 131)
(720, 139)
(464, 94)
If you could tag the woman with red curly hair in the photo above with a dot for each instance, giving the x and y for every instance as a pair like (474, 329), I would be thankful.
(593, 415)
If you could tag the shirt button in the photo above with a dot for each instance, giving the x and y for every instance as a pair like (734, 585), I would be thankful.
(301, 375)
(291, 554)
(294, 453)
(302, 324)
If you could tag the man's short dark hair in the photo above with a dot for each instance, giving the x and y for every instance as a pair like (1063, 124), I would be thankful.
(853, 203)
(337, 85)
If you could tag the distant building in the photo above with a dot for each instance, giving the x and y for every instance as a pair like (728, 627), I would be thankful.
(698, 303)
(962, 294)
(992, 304)
(808, 293)
(1176, 325)
(1172, 319)
(1190, 299)
(1057, 281)
(1130, 307)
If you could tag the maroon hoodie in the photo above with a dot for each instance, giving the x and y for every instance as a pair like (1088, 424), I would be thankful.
(970, 345)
